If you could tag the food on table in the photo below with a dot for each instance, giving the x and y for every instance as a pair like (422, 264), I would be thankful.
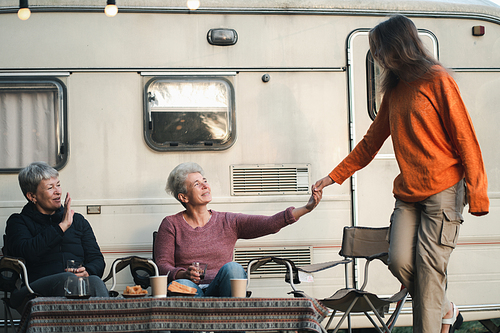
(135, 290)
(176, 287)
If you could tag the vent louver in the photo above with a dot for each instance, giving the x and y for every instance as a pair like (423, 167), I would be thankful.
(301, 256)
(270, 179)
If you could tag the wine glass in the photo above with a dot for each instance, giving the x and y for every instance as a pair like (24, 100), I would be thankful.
(77, 287)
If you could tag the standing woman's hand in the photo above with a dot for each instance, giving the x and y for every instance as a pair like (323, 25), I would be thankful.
(67, 215)
(322, 183)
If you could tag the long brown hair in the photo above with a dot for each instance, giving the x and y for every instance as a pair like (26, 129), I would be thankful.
(397, 48)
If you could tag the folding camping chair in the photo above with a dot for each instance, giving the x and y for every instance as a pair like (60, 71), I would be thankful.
(292, 271)
(140, 268)
(369, 244)
(12, 270)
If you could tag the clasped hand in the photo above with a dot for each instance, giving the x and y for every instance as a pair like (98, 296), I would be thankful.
(193, 274)
(80, 271)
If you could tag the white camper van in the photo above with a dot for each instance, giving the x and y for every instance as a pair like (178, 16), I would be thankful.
(267, 96)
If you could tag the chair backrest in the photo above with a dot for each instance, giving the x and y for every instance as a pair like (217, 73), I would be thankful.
(154, 240)
(365, 242)
(10, 274)
(4, 247)
(254, 264)
(140, 268)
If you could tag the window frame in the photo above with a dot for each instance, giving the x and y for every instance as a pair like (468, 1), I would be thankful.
(371, 87)
(168, 146)
(61, 127)
(372, 93)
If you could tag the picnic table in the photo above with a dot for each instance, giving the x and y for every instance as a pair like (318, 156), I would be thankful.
(58, 314)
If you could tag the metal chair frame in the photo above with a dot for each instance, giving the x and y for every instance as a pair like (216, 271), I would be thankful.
(124, 263)
(376, 247)
(17, 267)
(378, 252)
(291, 270)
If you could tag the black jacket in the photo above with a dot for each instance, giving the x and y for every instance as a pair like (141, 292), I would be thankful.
(38, 239)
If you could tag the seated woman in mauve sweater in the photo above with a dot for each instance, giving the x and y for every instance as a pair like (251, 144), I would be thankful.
(199, 234)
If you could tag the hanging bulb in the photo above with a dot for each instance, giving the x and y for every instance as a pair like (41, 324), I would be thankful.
(24, 11)
(111, 9)
(193, 4)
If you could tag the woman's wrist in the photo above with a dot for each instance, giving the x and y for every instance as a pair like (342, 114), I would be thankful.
(181, 274)
(298, 212)
(63, 226)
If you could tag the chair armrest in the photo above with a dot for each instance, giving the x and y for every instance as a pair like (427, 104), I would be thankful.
(17, 265)
(291, 276)
(135, 261)
(313, 268)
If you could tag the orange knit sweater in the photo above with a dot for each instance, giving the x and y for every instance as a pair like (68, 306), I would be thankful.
(433, 138)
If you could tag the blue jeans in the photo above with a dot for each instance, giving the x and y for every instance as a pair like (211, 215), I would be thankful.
(53, 285)
(221, 284)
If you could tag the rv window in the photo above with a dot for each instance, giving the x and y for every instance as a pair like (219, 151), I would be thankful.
(189, 114)
(373, 72)
(32, 123)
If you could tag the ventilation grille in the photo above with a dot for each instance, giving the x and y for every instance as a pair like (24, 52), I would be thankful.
(299, 255)
(270, 179)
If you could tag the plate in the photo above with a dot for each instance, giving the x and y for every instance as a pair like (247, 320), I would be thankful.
(171, 293)
(133, 295)
(78, 296)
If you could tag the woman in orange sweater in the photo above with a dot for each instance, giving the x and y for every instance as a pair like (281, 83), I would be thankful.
(440, 162)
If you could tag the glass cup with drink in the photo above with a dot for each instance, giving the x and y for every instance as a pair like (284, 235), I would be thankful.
(201, 268)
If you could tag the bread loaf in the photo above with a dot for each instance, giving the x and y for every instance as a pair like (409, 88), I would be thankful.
(176, 287)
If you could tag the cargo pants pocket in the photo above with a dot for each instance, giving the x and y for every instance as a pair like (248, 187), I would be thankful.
(450, 228)
(388, 237)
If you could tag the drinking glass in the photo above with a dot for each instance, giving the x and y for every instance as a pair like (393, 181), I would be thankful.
(77, 287)
(201, 268)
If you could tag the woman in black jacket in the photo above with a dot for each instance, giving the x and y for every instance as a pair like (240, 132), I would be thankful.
(47, 234)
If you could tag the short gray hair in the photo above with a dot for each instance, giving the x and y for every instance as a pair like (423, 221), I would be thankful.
(33, 174)
(176, 182)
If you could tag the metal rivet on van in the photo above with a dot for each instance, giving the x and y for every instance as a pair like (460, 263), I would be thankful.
(266, 78)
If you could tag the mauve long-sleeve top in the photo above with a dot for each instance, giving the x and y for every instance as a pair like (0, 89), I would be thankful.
(178, 244)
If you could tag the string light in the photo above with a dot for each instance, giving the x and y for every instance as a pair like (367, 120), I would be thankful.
(24, 11)
(193, 4)
(111, 9)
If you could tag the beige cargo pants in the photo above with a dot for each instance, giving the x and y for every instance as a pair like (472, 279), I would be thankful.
(423, 235)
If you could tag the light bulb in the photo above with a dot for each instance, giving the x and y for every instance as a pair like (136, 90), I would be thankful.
(111, 10)
(24, 13)
(193, 4)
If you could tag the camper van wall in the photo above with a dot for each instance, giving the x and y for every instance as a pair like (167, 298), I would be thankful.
(114, 103)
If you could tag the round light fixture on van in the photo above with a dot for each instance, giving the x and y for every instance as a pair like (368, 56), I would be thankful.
(222, 37)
